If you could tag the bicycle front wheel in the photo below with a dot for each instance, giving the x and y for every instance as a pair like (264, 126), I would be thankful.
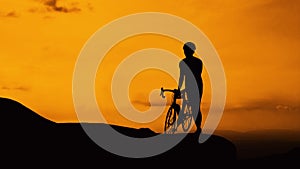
(170, 127)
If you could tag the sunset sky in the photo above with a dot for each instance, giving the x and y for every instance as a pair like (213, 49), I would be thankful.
(257, 42)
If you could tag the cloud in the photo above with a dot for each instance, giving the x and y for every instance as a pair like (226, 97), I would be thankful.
(52, 5)
(140, 102)
(273, 105)
(11, 14)
(65, 6)
(15, 9)
(264, 113)
(147, 104)
(17, 88)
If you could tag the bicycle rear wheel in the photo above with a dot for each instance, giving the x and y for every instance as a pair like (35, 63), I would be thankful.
(187, 116)
(170, 125)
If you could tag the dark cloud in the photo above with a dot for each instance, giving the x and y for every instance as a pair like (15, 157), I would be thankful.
(52, 6)
(90, 6)
(265, 104)
(18, 88)
(146, 103)
(139, 102)
(11, 14)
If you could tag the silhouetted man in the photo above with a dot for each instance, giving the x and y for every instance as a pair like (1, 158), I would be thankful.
(190, 72)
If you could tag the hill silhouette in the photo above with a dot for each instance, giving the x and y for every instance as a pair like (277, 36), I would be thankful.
(262, 143)
(27, 137)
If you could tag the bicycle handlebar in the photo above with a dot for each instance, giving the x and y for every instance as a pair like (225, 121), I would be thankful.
(175, 91)
(162, 92)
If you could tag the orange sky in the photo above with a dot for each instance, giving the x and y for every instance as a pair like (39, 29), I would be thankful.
(257, 42)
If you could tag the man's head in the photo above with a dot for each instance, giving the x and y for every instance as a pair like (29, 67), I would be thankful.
(189, 49)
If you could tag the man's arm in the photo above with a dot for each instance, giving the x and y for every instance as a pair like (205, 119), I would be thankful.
(181, 76)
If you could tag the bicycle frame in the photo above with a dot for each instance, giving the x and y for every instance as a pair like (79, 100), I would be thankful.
(175, 109)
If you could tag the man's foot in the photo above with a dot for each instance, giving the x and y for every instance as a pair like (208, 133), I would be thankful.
(198, 132)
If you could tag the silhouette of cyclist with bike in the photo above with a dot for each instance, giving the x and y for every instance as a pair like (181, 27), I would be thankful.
(190, 73)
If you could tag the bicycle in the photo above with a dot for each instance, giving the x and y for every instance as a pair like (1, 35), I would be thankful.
(177, 115)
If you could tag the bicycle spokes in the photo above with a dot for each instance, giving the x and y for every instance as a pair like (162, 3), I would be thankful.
(170, 125)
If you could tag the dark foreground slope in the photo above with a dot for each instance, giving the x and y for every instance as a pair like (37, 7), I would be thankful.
(28, 139)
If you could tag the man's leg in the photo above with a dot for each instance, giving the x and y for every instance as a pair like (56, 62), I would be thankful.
(198, 121)
(195, 103)
(196, 114)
